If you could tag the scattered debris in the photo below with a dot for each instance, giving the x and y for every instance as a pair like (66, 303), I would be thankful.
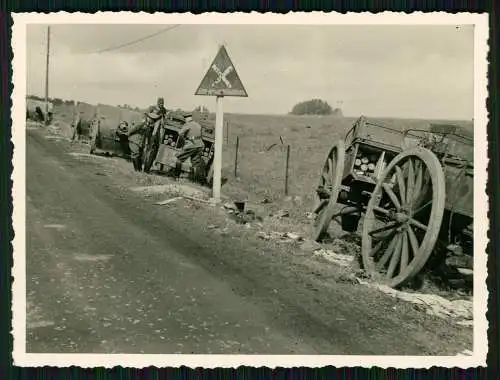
(167, 201)
(175, 189)
(310, 215)
(229, 206)
(287, 237)
(347, 278)
(265, 201)
(293, 236)
(339, 259)
(310, 246)
(281, 214)
(461, 310)
(86, 155)
(196, 199)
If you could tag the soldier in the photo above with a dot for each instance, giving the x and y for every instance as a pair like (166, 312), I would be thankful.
(159, 108)
(193, 147)
(136, 138)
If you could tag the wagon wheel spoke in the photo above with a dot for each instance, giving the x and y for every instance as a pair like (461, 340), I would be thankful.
(411, 181)
(377, 247)
(404, 253)
(388, 253)
(385, 228)
(392, 196)
(381, 210)
(418, 184)
(422, 207)
(401, 183)
(395, 257)
(413, 241)
(416, 223)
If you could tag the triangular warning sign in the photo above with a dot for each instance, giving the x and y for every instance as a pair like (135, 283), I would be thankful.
(221, 78)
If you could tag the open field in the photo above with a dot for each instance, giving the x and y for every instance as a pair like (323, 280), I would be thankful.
(261, 171)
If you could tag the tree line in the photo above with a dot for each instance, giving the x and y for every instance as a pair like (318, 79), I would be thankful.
(313, 107)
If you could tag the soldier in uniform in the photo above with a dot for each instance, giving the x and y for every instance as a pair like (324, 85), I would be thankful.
(136, 140)
(159, 108)
(192, 148)
(137, 134)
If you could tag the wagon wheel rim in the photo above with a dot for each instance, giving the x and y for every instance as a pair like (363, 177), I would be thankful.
(329, 184)
(403, 217)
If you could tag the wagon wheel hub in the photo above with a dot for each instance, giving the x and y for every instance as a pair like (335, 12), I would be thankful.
(401, 217)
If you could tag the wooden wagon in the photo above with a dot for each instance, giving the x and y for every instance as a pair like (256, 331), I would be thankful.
(413, 189)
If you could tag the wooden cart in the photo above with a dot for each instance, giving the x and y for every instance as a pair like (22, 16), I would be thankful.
(413, 189)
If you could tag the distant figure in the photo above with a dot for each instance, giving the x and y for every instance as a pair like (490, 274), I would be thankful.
(193, 147)
(50, 111)
(159, 108)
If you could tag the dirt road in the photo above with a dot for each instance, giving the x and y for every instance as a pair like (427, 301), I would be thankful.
(110, 272)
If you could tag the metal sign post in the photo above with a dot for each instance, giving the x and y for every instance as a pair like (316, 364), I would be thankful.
(219, 121)
(220, 80)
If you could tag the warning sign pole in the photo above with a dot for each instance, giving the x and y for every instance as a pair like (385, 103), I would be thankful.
(220, 80)
(219, 122)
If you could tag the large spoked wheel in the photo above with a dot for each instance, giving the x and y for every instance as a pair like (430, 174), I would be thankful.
(93, 135)
(403, 217)
(328, 190)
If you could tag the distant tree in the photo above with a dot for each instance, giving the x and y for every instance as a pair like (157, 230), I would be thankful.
(312, 107)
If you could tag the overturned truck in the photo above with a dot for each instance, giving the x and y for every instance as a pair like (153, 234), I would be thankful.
(161, 142)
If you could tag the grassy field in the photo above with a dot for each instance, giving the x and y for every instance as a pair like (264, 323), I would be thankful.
(261, 172)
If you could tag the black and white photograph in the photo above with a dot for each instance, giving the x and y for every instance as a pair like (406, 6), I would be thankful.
(250, 189)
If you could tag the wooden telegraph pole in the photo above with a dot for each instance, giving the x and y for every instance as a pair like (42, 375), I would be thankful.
(220, 80)
(47, 76)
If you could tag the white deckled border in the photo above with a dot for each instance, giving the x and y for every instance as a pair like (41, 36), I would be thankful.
(481, 225)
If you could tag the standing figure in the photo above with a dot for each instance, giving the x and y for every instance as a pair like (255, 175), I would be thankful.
(159, 108)
(192, 148)
(136, 140)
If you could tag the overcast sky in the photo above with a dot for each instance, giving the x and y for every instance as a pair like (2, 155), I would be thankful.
(392, 71)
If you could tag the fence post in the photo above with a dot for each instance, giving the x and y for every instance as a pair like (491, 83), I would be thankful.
(286, 168)
(236, 156)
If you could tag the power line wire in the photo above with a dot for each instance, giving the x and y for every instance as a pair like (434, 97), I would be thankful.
(138, 40)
